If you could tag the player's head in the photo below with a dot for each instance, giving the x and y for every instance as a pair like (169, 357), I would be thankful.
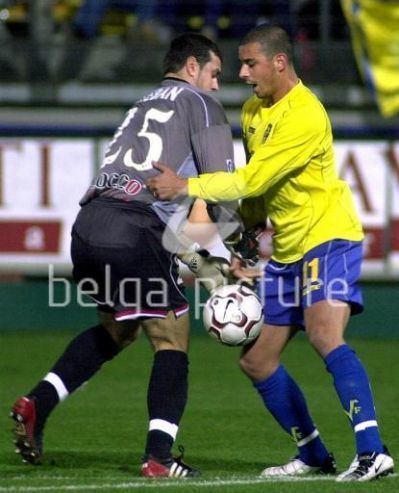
(266, 56)
(194, 58)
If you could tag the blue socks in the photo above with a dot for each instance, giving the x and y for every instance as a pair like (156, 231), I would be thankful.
(353, 388)
(285, 401)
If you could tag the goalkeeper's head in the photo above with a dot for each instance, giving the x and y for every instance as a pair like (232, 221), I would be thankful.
(195, 59)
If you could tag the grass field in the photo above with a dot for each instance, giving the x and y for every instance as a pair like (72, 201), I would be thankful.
(95, 439)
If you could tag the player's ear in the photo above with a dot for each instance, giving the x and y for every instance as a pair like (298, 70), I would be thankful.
(280, 61)
(192, 66)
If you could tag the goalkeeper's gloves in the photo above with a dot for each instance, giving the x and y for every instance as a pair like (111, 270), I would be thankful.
(211, 272)
(245, 246)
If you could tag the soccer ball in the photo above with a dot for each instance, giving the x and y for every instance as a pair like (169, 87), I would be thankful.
(233, 315)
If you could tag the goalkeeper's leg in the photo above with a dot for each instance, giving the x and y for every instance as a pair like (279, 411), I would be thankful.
(167, 395)
(82, 358)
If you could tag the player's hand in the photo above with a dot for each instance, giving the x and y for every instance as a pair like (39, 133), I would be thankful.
(167, 185)
(238, 270)
(244, 246)
(211, 272)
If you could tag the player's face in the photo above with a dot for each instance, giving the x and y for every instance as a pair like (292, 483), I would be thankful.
(258, 70)
(208, 76)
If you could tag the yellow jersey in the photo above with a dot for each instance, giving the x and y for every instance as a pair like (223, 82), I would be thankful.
(290, 176)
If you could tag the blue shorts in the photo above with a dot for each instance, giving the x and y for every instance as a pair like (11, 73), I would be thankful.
(329, 271)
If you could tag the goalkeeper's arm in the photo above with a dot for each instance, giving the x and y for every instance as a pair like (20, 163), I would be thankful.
(245, 245)
(197, 234)
(211, 272)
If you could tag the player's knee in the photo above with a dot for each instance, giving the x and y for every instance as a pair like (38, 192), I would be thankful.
(123, 334)
(324, 338)
(169, 333)
(168, 342)
(125, 340)
(257, 370)
(247, 366)
(316, 340)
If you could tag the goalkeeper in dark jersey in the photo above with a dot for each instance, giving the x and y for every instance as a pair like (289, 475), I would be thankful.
(118, 255)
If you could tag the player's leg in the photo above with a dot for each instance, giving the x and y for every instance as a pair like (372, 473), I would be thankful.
(158, 300)
(326, 317)
(167, 395)
(82, 358)
(279, 392)
(285, 401)
(99, 267)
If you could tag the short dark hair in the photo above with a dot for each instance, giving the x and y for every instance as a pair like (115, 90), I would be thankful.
(186, 45)
(273, 40)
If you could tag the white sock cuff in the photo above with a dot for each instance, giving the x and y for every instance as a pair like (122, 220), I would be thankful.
(365, 424)
(58, 384)
(309, 438)
(162, 425)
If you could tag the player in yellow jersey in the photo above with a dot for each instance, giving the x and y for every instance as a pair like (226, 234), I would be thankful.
(311, 280)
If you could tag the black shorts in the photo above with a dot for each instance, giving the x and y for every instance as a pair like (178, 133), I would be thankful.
(119, 261)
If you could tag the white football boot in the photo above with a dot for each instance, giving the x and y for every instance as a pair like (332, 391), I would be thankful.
(296, 467)
(367, 467)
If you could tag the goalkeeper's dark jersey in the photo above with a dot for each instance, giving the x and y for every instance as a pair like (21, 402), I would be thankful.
(176, 123)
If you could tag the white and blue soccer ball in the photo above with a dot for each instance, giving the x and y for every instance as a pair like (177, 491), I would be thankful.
(233, 315)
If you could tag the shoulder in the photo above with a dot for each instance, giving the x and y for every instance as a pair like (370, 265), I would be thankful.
(304, 107)
(197, 97)
(304, 99)
(202, 104)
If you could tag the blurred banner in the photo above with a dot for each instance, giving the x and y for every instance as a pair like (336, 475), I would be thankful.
(42, 181)
(374, 26)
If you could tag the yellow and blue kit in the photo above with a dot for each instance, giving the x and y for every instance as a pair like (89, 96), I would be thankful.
(290, 176)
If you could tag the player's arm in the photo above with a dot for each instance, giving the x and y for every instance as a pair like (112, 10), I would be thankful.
(245, 244)
(213, 150)
(200, 232)
(291, 148)
(252, 212)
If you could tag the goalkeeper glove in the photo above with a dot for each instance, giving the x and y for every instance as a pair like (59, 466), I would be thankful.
(211, 272)
(244, 246)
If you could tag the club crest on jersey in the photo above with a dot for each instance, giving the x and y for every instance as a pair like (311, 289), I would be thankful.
(118, 181)
(267, 133)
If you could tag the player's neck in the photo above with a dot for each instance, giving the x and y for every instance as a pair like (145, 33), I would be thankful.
(284, 88)
(175, 76)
